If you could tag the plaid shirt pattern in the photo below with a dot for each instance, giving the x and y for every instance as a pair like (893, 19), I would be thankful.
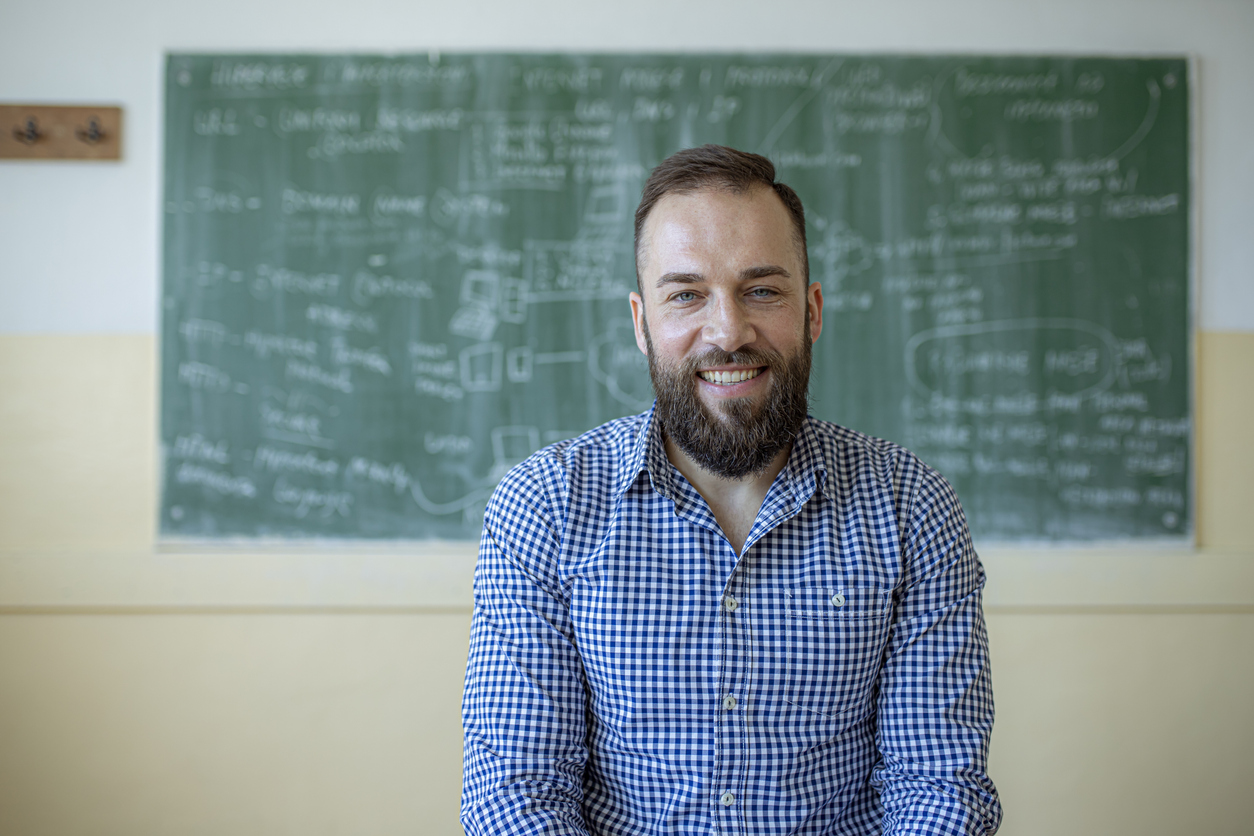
(630, 674)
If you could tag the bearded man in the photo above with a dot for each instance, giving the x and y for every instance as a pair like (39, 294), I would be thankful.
(723, 616)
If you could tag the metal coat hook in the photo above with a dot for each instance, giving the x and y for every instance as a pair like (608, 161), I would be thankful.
(93, 133)
(28, 133)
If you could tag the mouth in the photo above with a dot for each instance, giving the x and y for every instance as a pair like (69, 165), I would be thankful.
(729, 378)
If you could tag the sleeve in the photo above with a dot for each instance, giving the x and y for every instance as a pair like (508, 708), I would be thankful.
(523, 706)
(936, 699)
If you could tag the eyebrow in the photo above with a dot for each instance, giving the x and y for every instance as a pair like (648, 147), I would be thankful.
(748, 274)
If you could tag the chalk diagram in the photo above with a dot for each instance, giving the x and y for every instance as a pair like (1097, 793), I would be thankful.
(615, 361)
(842, 252)
(487, 299)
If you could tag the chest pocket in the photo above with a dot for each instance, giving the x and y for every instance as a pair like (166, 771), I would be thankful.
(833, 645)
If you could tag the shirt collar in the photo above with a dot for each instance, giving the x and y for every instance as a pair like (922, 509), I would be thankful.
(805, 472)
(807, 468)
(647, 453)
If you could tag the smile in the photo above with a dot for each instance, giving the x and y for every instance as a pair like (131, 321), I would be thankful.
(728, 378)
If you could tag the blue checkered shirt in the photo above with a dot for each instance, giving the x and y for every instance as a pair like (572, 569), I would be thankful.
(630, 674)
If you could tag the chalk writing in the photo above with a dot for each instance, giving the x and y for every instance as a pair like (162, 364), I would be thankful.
(299, 120)
(204, 331)
(401, 73)
(455, 445)
(311, 373)
(417, 121)
(296, 200)
(367, 287)
(985, 84)
(342, 319)
(304, 500)
(292, 281)
(1139, 206)
(330, 146)
(215, 481)
(264, 345)
(274, 460)
(195, 446)
(751, 76)
(204, 376)
(391, 278)
(252, 75)
(216, 121)
(370, 359)
(1040, 110)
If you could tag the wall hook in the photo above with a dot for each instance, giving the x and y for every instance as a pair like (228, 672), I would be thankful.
(93, 133)
(28, 133)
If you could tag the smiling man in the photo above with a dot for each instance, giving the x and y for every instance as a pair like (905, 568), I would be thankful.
(724, 616)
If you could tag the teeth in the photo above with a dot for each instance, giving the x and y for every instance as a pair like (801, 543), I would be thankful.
(728, 378)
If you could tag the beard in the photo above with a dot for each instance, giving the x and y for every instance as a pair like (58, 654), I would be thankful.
(739, 437)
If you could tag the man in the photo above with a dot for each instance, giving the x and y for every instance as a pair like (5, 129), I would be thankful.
(723, 616)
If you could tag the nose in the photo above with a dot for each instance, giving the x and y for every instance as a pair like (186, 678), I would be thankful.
(728, 325)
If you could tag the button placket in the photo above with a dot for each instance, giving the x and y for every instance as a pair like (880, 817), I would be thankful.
(730, 732)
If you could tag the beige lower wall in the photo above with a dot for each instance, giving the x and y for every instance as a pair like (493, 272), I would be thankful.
(142, 725)
(1124, 725)
(133, 701)
(349, 724)
(1224, 445)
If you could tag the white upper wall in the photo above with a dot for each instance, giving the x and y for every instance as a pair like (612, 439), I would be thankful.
(79, 242)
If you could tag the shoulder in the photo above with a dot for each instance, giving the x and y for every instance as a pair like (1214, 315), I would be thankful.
(894, 490)
(859, 464)
(853, 454)
(593, 462)
(609, 445)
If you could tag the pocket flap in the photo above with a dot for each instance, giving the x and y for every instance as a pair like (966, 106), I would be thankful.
(835, 602)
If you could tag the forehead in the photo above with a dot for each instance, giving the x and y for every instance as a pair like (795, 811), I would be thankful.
(737, 229)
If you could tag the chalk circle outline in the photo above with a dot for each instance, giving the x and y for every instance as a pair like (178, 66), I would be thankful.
(1022, 325)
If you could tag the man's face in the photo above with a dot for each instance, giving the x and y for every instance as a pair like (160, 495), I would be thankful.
(729, 325)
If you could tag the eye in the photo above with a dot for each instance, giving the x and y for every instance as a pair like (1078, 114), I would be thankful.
(763, 292)
(684, 296)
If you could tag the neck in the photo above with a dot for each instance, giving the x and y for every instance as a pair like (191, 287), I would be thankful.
(734, 502)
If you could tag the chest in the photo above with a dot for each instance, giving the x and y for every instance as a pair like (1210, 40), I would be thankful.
(669, 621)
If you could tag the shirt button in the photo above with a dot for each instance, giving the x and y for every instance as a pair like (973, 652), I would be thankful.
(838, 600)
(730, 604)
(729, 702)
(728, 799)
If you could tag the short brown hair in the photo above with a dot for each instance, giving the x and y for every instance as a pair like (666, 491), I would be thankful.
(718, 167)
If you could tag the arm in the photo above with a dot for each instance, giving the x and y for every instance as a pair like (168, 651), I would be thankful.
(936, 698)
(524, 701)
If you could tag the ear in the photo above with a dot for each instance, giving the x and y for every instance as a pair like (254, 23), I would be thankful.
(637, 321)
(814, 309)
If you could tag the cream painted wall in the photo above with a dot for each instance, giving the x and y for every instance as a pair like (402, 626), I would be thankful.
(315, 724)
(148, 692)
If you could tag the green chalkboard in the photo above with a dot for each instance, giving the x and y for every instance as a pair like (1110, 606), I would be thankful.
(388, 279)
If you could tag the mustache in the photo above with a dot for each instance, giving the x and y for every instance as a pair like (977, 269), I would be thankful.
(739, 357)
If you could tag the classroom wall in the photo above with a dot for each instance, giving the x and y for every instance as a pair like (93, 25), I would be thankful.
(144, 691)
